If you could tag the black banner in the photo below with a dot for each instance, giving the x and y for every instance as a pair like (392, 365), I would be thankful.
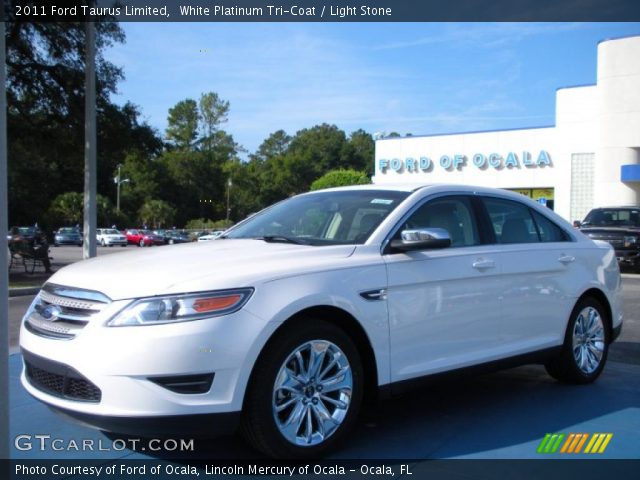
(324, 11)
(352, 469)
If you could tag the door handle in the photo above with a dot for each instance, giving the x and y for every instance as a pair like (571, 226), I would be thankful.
(566, 259)
(482, 264)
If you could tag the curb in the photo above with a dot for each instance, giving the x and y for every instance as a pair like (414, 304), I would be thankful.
(23, 292)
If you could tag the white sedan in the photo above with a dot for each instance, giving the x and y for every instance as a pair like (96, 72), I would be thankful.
(108, 237)
(210, 236)
(283, 325)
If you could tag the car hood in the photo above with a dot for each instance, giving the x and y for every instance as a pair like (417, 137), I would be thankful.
(612, 229)
(196, 267)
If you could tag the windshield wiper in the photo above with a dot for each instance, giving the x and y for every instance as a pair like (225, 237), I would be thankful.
(281, 239)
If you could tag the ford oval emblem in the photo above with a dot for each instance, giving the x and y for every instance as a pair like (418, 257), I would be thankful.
(51, 312)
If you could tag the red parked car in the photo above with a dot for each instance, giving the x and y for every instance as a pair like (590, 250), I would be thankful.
(143, 238)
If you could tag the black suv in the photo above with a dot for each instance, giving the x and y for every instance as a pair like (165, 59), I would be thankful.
(620, 226)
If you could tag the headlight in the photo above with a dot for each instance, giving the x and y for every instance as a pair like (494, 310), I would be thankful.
(630, 240)
(181, 308)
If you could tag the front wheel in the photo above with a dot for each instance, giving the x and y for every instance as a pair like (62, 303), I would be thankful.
(586, 345)
(305, 392)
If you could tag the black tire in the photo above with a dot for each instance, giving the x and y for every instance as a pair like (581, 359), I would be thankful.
(566, 367)
(260, 423)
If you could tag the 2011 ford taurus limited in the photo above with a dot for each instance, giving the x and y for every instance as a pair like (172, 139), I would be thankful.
(284, 324)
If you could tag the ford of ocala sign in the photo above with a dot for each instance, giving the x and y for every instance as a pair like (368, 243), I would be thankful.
(458, 162)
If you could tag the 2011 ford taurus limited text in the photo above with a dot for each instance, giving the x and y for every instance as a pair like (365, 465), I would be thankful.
(285, 323)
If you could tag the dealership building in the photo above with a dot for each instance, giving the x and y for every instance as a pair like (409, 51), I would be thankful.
(591, 157)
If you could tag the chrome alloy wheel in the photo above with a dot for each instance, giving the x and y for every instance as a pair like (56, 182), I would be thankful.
(588, 340)
(312, 393)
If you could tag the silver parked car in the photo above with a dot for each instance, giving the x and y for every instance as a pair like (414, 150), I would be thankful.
(108, 237)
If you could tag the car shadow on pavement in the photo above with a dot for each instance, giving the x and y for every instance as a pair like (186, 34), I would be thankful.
(501, 415)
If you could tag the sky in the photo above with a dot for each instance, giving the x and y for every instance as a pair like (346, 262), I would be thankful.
(418, 78)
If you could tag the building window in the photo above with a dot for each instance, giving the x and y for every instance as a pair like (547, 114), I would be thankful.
(582, 166)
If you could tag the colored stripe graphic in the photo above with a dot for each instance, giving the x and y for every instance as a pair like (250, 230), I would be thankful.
(574, 442)
(550, 443)
(598, 443)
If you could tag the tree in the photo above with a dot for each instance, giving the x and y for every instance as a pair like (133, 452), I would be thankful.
(182, 129)
(157, 213)
(340, 178)
(45, 121)
(274, 145)
(147, 180)
(213, 112)
(359, 152)
(310, 153)
(69, 207)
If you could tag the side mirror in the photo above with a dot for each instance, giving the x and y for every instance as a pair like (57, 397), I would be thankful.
(422, 239)
(577, 224)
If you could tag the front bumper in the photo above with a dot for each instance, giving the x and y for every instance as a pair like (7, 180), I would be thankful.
(67, 241)
(126, 365)
(114, 241)
(208, 425)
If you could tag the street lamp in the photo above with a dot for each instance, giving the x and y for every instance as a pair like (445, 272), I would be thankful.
(117, 180)
(228, 198)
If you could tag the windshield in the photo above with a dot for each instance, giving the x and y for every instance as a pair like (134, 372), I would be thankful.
(614, 217)
(322, 218)
(111, 231)
(68, 230)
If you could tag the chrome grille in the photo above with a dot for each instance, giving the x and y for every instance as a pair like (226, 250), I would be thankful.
(614, 239)
(61, 312)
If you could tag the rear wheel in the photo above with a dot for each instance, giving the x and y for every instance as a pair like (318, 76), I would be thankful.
(586, 345)
(305, 392)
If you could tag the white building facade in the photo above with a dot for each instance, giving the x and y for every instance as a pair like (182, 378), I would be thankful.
(591, 157)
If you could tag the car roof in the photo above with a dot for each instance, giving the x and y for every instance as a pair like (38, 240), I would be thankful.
(429, 187)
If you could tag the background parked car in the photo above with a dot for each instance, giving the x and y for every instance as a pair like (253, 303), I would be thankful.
(141, 238)
(26, 233)
(67, 236)
(108, 237)
(620, 226)
(210, 236)
(150, 238)
(176, 236)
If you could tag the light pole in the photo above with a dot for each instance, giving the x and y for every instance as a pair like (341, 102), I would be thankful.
(119, 182)
(228, 198)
